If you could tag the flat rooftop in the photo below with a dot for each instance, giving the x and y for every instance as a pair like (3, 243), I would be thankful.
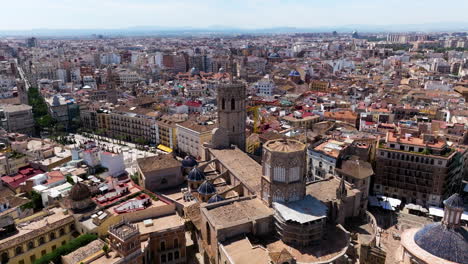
(160, 224)
(242, 251)
(247, 170)
(331, 148)
(325, 190)
(243, 210)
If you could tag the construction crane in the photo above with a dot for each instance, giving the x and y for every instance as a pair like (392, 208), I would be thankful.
(255, 110)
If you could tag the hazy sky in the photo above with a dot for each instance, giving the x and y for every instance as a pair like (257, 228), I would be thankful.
(59, 14)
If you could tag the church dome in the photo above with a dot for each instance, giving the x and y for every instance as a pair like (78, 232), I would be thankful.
(189, 162)
(447, 243)
(274, 55)
(79, 192)
(194, 71)
(196, 175)
(216, 198)
(294, 73)
(206, 188)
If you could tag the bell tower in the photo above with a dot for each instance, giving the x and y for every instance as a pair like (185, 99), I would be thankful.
(232, 112)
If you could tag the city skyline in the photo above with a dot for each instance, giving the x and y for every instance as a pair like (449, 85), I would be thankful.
(257, 14)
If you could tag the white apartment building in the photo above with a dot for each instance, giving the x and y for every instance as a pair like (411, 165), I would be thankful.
(191, 135)
(265, 87)
(109, 58)
(7, 84)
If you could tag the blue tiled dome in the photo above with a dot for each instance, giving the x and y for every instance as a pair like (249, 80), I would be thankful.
(189, 162)
(216, 198)
(454, 201)
(194, 71)
(447, 243)
(273, 55)
(206, 188)
(294, 73)
(196, 175)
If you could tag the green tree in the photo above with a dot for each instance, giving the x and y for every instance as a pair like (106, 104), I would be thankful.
(106, 250)
(55, 256)
(135, 178)
(70, 180)
(42, 118)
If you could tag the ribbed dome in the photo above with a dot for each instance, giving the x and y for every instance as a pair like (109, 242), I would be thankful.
(196, 175)
(454, 201)
(79, 192)
(189, 162)
(447, 243)
(206, 188)
(216, 198)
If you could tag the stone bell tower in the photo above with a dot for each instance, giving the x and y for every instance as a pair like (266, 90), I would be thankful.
(232, 112)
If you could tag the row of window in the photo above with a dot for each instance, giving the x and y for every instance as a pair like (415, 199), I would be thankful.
(279, 174)
(18, 251)
(411, 158)
(162, 245)
(41, 241)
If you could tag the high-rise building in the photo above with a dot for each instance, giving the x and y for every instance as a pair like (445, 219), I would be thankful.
(232, 112)
(31, 42)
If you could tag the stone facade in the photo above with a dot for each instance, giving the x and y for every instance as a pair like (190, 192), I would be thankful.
(232, 112)
(283, 171)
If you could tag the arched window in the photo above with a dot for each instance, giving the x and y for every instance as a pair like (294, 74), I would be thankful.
(163, 246)
(176, 255)
(19, 250)
(164, 181)
(223, 104)
(52, 236)
(62, 231)
(41, 240)
(30, 245)
(176, 243)
(208, 234)
(169, 256)
(233, 104)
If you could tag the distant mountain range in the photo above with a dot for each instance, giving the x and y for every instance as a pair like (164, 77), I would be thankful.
(226, 30)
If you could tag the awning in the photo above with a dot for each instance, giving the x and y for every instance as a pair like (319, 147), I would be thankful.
(436, 211)
(416, 207)
(386, 203)
(164, 148)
